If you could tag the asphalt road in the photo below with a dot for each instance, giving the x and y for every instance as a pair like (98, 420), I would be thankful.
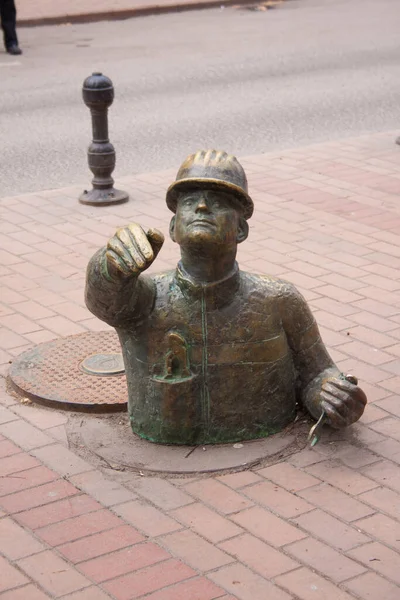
(247, 82)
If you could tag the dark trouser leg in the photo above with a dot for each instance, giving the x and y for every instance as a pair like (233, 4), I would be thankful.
(8, 16)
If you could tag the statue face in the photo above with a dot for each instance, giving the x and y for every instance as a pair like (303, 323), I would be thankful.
(206, 217)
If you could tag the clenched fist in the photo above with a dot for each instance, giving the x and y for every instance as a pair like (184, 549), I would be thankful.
(342, 400)
(131, 251)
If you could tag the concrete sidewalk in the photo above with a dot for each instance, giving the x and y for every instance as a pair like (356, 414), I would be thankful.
(323, 523)
(42, 12)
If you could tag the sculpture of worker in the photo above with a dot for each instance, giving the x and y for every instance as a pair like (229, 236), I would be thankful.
(212, 354)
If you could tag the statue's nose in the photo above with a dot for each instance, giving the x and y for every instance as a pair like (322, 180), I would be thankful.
(202, 205)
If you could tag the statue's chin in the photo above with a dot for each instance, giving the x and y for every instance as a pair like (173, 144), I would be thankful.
(201, 236)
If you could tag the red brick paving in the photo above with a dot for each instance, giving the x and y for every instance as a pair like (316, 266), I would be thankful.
(322, 523)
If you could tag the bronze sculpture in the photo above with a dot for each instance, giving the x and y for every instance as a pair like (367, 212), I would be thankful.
(212, 354)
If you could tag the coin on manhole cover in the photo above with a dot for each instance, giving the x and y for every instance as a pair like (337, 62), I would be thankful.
(103, 364)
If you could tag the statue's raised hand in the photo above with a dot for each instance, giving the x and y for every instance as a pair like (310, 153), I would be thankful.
(131, 250)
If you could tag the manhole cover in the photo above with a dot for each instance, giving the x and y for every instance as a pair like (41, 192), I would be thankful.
(52, 373)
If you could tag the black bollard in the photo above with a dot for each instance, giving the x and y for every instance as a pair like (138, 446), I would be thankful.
(98, 95)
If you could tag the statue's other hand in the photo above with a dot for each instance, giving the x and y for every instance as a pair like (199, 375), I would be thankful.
(131, 250)
(342, 400)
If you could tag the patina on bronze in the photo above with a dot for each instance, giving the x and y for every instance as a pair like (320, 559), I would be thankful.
(98, 95)
(212, 354)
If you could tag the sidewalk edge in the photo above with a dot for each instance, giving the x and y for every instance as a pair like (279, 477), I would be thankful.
(139, 11)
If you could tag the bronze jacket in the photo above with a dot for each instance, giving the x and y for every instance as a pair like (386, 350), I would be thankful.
(209, 363)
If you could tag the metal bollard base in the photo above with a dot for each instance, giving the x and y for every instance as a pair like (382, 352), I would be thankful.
(105, 197)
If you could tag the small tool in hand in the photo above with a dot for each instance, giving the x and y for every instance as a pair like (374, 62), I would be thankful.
(316, 430)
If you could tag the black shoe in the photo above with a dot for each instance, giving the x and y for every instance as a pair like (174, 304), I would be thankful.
(14, 50)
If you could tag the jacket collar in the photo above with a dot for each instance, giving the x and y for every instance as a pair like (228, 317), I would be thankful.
(216, 294)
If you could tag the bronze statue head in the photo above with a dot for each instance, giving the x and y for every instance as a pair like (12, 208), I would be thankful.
(210, 201)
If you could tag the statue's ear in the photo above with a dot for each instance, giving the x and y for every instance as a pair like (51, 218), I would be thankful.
(243, 230)
(172, 228)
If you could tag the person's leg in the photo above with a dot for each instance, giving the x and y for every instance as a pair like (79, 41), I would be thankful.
(8, 16)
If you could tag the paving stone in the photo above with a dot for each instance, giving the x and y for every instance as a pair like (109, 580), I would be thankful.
(288, 477)
(384, 500)
(355, 457)
(149, 579)
(6, 415)
(305, 584)
(341, 477)
(304, 458)
(324, 559)
(26, 479)
(78, 527)
(277, 499)
(16, 542)
(240, 480)
(206, 522)
(270, 528)
(98, 544)
(57, 511)
(25, 435)
(382, 528)
(122, 562)
(89, 593)
(16, 463)
(371, 586)
(53, 573)
(195, 551)
(388, 427)
(62, 460)
(104, 490)
(33, 310)
(336, 502)
(146, 518)
(218, 496)
(384, 472)
(257, 555)
(195, 589)
(162, 493)
(10, 576)
(41, 495)
(9, 339)
(332, 531)
(61, 326)
(7, 448)
(246, 585)
(390, 404)
(43, 418)
(25, 592)
(379, 558)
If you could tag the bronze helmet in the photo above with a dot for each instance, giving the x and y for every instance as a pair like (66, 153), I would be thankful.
(211, 169)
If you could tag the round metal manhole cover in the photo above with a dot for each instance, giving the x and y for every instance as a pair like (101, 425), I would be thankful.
(52, 373)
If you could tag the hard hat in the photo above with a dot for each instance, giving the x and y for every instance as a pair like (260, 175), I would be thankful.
(211, 169)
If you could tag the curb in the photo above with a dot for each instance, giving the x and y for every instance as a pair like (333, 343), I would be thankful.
(139, 11)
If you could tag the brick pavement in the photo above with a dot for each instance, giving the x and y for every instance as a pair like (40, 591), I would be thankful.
(324, 523)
